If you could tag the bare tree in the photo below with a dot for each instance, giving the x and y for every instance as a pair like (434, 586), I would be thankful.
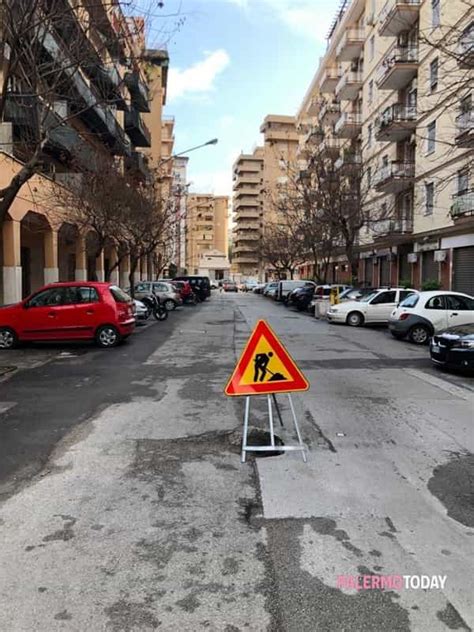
(282, 249)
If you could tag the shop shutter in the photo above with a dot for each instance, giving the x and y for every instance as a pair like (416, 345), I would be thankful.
(463, 270)
(429, 267)
(384, 271)
(404, 270)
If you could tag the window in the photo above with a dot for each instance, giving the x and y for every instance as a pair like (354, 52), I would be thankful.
(119, 295)
(431, 140)
(463, 182)
(429, 198)
(371, 91)
(404, 294)
(435, 13)
(459, 303)
(47, 298)
(435, 302)
(411, 301)
(369, 135)
(385, 297)
(434, 74)
(372, 47)
(87, 295)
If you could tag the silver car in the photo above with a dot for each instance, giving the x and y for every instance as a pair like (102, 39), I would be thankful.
(166, 292)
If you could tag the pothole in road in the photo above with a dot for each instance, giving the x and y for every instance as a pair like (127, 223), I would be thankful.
(259, 438)
(451, 483)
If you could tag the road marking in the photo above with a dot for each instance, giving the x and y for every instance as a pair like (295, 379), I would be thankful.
(452, 389)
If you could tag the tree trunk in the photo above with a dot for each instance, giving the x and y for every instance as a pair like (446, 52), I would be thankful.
(131, 275)
(353, 263)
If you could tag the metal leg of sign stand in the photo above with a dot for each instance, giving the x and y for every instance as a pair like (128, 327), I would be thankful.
(278, 410)
(272, 447)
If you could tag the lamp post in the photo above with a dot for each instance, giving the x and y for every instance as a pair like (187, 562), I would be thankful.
(213, 141)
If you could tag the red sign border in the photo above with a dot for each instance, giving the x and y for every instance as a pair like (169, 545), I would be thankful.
(299, 383)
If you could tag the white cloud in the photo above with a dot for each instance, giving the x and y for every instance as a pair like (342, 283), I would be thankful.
(199, 78)
(217, 182)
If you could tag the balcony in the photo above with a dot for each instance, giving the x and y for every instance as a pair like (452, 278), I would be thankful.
(136, 129)
(137, 164)
(465, 130)
(399, 67)
(349, 161)
(138, 91)
(244, 189)
(313, 107)
(463, 204)
(397, 16)
(314, 134)
(329, 80)
(240, 235)
(348, 125)
(392, 227)
(329, 113)
(96, 115)
(394, 177)
(465, 50)
(349, 85)
(329, 147)
(395, 123)
(351, 44)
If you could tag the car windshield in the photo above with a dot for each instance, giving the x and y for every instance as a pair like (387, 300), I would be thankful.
(368, 297)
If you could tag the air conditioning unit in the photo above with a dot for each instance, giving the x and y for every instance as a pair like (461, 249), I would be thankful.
(412, 257)
(440, 255)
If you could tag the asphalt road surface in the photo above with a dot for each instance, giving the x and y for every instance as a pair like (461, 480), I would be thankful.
(124, 505)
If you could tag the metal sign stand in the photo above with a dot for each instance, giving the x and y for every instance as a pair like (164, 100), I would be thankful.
(272, 447)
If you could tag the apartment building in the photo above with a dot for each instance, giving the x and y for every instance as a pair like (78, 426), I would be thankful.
(393, 97)
(247, 214)
(110, 89)
(207, 221)
(180, 193)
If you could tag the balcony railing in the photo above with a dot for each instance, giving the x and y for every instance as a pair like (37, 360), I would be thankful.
(351, 44)
(463, 204)
(389, 227)
(349, 85)
(398, 68)
(137, 163)
(395, 176)
(348, 125)
(329, 112)
(138, 90)
(466, 49)
(349, 160)
(465, 129)
(396, 122)
(397, 16)
(330, 146)
(329, 79)
(136, 128)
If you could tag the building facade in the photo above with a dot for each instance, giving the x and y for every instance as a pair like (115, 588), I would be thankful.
(207, 221)
(393, 96)
(108, 111)
(180, 193)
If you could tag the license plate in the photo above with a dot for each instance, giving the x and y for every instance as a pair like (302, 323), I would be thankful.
(435, 348)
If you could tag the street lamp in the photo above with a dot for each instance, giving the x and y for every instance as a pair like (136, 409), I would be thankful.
(213, 141)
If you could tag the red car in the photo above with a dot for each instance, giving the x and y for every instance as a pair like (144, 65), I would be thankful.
(184, 288)
(78, 310)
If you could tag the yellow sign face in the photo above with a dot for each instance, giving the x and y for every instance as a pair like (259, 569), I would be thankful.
(265, 366)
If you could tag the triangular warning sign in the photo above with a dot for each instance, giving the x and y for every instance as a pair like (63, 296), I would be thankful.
(265, 366)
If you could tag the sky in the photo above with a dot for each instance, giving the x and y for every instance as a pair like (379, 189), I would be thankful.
(232, 62)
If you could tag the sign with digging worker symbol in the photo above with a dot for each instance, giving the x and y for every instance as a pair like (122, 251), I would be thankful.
(265, 367)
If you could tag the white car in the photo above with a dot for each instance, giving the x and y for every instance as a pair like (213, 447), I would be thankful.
(372, 308)
(419, 317)
(141, 311)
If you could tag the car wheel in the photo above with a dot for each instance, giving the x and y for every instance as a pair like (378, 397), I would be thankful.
(355, 319)
(8, 338)
(107, 336)
(169, 304)
(419, 334)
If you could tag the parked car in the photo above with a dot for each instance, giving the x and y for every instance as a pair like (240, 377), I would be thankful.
(214, 285)
(201, 285)
(356, 293)
(454, 348)
(249, 285)
(258, 289)
(230, 286)
(167, 293)
(141, 311)
(285, 287)
(301, 297)
(184, 288)
(270, 289)
(324, 291)
(373, 308)
(420, 316)
(77, 310)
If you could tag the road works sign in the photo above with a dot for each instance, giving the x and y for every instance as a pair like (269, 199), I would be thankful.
(265, 367)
